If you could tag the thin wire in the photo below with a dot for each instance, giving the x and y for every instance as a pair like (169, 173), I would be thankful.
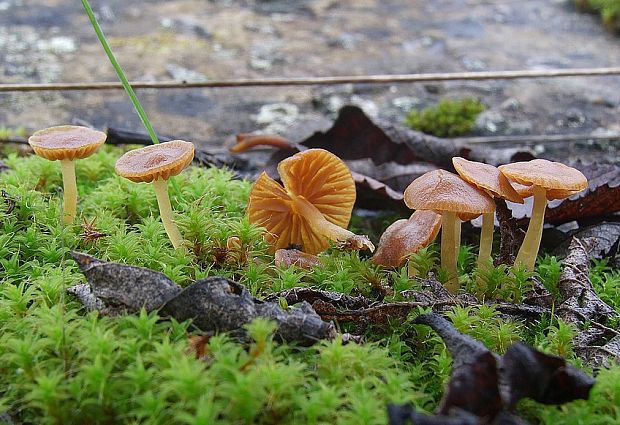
(313, 81)
(528, 139)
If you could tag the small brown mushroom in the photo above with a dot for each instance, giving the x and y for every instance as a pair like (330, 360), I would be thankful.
(489, 179)
(549, 180)
(67, 143)
(312, 208)
(404, 237)
(247, 141)
(157, 163)
(452, 197)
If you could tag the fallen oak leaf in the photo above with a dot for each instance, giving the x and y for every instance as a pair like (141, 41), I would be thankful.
(463, 348)
(579, 300)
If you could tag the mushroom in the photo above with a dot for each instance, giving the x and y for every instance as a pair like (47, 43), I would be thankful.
(489, 179)
(157, 163)
(548, 180)
(312, 207)
(452, 197)
(404, 237)
(67, 143)
(247, 141)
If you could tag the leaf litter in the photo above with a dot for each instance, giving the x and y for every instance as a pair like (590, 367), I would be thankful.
(214, 304)
(484, 387)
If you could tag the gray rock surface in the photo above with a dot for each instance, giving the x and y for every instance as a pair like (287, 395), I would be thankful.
(45, 41)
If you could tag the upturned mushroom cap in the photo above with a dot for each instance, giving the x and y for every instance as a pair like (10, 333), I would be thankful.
(316, 176)
(404, 237)
(486, 177)
(556, 177)
(66, 142)
(440, 190)
(155, 161)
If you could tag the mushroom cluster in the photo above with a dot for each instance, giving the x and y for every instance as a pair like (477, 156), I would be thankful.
(545, 180)
(469, 195)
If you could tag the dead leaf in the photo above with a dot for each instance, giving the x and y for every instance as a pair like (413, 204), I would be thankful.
(214, 304)
(605, 237)
(126, 286)
(489, 386)
(354, 136)
(542, 377)
(295, 257)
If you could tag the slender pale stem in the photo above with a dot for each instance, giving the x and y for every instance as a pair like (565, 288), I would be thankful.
(529, 249)
(165, 211)
(67, 167)
(326, 228)
(450, 240)
(486, 240)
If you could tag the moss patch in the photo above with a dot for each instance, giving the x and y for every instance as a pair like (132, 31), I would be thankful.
(59, 364)
(449, 118)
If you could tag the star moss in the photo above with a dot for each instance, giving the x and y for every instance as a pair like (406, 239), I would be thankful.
(60, 364)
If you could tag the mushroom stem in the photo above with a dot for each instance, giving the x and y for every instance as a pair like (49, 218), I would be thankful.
(165, 211)
(486, 240)
(326, 228)
(531, 242)
(450, 240)
(67, 167)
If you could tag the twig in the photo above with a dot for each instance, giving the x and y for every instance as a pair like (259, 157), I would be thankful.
(310, 81)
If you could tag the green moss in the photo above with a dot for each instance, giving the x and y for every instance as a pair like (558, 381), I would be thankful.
(59, 364)
(609, 10)
(449, 118)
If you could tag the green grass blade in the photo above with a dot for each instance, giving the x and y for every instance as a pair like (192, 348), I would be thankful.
(120, 73)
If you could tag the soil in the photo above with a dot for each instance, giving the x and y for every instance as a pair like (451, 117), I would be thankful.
(52, 41)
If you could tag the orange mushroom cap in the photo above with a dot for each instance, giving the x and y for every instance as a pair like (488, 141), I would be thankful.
(440, 190)
(155, 161)
(404, 237)
(66, 142)
(316, 176)
(559, 180)
(551, 194)
(486, 177)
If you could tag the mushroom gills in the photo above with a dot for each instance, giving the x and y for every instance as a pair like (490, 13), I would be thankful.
(331, 231)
